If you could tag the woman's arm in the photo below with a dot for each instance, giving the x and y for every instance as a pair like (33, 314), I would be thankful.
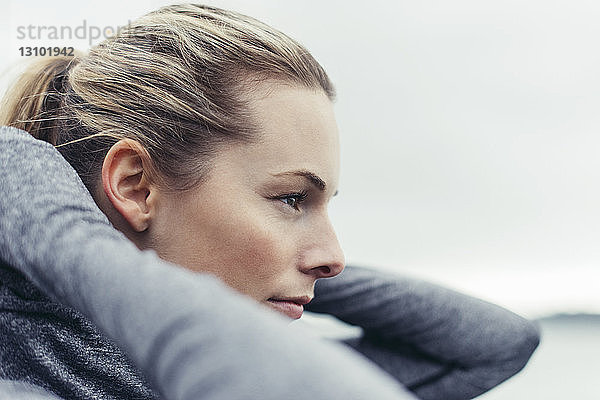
(191, 336)
(439, 343)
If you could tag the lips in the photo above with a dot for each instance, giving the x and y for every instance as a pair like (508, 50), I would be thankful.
(292, 307)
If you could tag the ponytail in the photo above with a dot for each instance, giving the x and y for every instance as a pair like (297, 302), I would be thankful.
(33, 103)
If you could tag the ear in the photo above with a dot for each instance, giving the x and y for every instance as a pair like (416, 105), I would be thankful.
(126, 184)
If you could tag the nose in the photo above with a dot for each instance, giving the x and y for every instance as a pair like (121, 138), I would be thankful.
(325, 258)
(327, 271)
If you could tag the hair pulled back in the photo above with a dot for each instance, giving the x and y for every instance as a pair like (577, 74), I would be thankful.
(175, 80)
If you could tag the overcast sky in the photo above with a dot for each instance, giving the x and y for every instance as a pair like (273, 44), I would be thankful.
(469, 133)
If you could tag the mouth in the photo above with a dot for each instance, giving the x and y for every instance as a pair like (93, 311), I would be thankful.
(291, 307)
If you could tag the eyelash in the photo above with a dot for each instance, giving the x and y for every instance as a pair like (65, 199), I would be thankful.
(299, 197)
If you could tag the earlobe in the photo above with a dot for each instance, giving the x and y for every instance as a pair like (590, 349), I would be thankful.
(125, 183)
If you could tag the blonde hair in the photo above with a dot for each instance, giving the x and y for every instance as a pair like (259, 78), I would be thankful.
(173, 80)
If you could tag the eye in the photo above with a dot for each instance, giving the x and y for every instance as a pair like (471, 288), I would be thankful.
(293, 199)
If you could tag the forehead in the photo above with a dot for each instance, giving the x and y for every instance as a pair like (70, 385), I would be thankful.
(296, 130)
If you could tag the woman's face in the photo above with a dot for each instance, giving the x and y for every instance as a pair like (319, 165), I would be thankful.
(259, 221)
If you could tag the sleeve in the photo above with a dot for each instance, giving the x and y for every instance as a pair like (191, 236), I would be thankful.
(190, 335)
(439, 343)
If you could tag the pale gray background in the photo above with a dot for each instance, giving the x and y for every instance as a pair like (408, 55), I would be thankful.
(469, 146)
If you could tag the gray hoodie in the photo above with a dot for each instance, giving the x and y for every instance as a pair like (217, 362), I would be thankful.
(85, 314)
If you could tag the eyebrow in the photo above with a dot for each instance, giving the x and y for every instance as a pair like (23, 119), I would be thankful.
(311, 177)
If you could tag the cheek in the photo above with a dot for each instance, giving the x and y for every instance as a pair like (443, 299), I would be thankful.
(247, 251)
(252, 248)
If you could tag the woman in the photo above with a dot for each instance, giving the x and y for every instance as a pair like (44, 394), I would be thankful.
(209, 138)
